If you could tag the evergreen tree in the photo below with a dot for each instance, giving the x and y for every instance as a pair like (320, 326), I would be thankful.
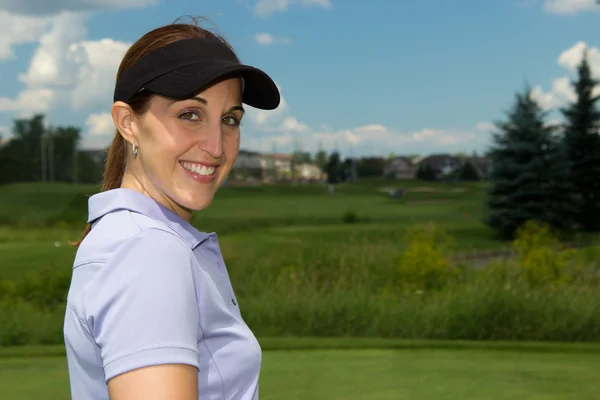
(468, 172)
(334, 168)
(582, 146)
(426, 173)
(524, 177)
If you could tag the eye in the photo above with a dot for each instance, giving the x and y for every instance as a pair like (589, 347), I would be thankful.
(231, 121)
(190, 116)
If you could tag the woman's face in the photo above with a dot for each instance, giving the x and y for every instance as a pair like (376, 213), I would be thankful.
(187, 148)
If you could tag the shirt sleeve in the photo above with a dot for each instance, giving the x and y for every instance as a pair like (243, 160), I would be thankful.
(143, 306)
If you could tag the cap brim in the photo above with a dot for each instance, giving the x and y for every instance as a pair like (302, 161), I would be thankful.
(260, 90)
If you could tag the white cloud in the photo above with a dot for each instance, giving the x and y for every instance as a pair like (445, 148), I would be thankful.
(50, 7)
(48, 66)
(485, 126)
(99, 131)
(266, 39)
(96, 63)
(571, 57)
(262, 130)
(18, 30)
(265, 8)
(570, 7)
(4, 133)
(65, 68)
(29, 102)
(100, 124)
(562, 92)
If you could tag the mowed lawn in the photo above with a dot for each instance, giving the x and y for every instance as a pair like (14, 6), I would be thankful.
(258, 227)
(423, 374)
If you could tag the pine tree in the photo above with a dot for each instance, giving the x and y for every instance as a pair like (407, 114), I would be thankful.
(524, 178)
(426, 172)
(468, 172)
(582, 146)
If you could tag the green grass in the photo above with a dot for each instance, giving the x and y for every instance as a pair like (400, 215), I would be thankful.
(382, 370)
(302, 222)
(297, 269)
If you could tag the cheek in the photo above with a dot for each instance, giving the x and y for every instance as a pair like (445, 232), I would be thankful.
(232, 146)
(173, 142)
(164, 146)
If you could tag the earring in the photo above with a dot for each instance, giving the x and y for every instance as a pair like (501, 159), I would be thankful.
(134, 150)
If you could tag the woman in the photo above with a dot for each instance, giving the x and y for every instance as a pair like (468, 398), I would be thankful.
(151, 312)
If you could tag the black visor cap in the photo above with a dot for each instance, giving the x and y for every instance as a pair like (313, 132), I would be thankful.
(184, 68)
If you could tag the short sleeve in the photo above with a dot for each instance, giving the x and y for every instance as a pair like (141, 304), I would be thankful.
(143, 306)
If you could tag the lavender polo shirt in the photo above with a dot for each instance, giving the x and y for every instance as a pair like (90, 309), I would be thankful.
(148, 289)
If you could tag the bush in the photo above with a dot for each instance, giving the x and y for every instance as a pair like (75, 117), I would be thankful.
(426, 262)
(541, 260)
(423, 295)
(350, 217)
(46, 288)
(22, 323)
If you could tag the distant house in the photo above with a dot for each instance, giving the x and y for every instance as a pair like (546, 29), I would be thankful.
(440, 165)
(399, 168)
(248, 166)
(283, 166)
(308, 172)
(263, 167)
(4, 141)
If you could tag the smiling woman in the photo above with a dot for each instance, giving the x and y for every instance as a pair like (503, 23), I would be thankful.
(151, 311)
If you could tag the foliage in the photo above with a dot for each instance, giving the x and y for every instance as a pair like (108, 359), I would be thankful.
(334, 168)
(582, 144)
(40, 153)
(540, 258)
(426, 173)
(297, 270)
(426, 262)
(350, 217)
(370, 166)
(468, 172)
(321, 159)
(45, 288)
(522, 181)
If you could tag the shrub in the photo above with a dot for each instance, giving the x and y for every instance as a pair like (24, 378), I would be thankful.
(350, 217)
(45, 288)
(22, 323)
(541, 260)
(426, 263)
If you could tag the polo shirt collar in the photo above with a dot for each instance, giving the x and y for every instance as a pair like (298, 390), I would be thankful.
(112, 200)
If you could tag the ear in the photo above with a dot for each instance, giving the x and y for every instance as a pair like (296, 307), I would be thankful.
(123, 116)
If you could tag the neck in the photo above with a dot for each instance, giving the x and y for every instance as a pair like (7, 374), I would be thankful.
(131, 181)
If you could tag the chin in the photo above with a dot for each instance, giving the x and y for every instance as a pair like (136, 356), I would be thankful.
(196, 201)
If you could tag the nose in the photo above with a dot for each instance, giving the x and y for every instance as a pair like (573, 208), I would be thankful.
(212, 140)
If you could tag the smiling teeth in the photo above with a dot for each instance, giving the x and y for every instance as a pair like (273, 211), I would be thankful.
(198, 169)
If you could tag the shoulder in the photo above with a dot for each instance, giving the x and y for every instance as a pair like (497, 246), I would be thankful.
(150, 242)
(155, 260)
(123, 232)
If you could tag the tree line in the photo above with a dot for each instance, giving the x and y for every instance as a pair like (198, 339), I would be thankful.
(547, 172)
(38, 152)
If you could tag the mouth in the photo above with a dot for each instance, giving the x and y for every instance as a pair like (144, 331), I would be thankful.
(199, 171)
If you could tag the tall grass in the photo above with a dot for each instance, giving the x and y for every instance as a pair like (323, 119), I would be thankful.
(354, 291)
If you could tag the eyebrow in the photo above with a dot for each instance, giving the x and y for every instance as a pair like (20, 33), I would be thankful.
(205, 102)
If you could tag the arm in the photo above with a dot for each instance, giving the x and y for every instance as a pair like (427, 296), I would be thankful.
(144, 317)
(161, 382)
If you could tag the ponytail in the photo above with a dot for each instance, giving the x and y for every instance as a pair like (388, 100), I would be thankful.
(113, 172)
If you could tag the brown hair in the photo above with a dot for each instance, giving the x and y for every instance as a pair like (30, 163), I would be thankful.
(116, 158)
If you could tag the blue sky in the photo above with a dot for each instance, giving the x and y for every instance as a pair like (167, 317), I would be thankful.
(365, 77)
